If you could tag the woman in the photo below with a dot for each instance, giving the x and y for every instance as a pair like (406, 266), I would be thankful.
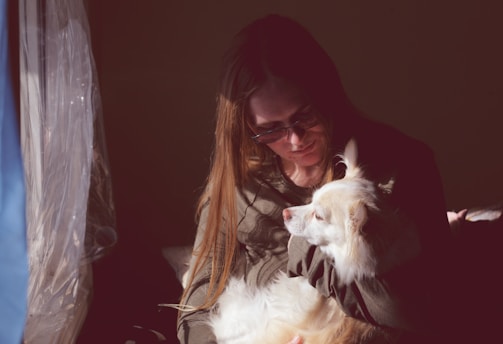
(282, 117)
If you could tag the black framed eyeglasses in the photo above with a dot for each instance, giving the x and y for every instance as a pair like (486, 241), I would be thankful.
(307, 121)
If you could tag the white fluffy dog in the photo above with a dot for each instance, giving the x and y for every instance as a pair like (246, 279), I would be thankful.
(334, 220)
(288, 307)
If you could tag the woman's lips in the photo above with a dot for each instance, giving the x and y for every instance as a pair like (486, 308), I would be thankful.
(304, 149)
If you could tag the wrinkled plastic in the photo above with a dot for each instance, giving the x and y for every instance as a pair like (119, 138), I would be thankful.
(70, 210)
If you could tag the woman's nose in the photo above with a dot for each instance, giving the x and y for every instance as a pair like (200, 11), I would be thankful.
(295, 135)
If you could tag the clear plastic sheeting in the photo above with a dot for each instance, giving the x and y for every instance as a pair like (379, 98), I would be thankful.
(70, 211)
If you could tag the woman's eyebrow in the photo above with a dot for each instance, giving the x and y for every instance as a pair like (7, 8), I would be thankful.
(267, 125)
(300, 111)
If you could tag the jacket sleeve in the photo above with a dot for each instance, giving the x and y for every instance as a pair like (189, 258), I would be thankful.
(403, 296)
(192, 327)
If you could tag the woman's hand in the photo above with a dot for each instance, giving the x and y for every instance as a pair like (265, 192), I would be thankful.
(456, 219)
(296, 340)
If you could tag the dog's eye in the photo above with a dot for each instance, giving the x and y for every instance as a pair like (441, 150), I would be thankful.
(318, 216)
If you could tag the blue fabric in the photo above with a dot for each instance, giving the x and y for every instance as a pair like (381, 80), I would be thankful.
(13, 253)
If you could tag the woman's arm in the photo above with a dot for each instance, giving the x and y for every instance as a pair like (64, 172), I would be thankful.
(192, 326)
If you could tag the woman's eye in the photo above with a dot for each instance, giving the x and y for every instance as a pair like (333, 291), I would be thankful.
(306, 119)
(264, 129)
(302, 117)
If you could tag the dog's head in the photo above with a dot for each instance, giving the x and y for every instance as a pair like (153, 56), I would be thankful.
(338, 211)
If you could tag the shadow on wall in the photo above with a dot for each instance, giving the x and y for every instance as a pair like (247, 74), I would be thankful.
(431, 71)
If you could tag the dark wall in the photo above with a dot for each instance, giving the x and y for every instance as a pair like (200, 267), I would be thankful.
(432, 69)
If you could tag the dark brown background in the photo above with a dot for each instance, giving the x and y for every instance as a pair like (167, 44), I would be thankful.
(431, 68)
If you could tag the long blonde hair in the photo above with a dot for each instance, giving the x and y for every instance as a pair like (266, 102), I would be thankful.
(273, 46)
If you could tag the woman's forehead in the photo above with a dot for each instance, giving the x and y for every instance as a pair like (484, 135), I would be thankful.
(276, 100)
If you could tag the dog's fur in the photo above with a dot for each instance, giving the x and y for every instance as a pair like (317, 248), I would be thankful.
(288, 307)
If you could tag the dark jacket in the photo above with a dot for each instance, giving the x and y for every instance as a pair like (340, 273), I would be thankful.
(403, 297)
(407, 295)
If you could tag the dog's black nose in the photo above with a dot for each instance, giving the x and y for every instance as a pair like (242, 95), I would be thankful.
(286, 215)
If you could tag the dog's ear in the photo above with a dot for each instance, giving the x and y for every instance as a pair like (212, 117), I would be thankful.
(349, 158)
(357, 217)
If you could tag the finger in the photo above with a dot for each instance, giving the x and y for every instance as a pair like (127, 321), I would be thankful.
(462, 213)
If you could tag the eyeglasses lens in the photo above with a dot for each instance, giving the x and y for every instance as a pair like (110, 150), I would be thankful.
(276, 134)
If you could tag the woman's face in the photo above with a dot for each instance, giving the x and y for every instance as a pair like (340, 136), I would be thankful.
(278, 104)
